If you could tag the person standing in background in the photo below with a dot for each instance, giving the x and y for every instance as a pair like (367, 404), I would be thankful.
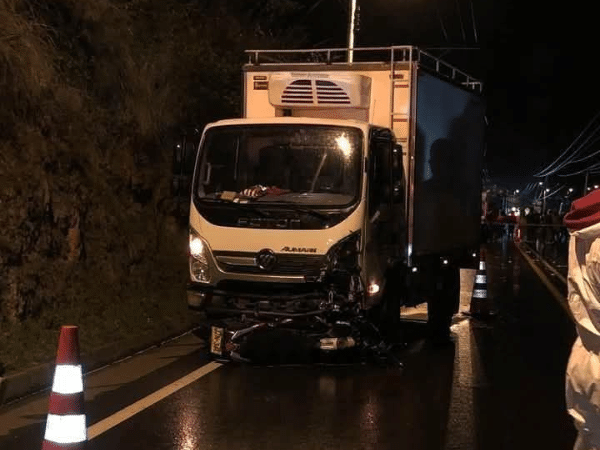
(583, 368)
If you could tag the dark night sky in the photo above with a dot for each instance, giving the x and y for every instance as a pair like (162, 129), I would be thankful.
(536, 60)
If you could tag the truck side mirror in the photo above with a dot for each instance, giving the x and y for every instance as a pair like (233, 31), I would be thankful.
(177, 167)
(184, 158)
(397, 159)
(397, 174)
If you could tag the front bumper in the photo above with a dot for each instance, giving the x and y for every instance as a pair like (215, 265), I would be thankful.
(250, 325)
(268, 300)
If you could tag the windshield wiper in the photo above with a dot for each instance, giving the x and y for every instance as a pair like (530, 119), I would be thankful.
(302, 209)
(246, 206)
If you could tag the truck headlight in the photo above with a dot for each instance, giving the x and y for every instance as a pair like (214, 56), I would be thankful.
(344, 254)
(199, 259)
(197, 247)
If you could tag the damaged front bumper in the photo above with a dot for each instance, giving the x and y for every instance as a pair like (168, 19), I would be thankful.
(263, 301)
(324, 319)
(316, 318)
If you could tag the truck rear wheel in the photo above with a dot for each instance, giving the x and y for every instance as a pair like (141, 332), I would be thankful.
(443, 303)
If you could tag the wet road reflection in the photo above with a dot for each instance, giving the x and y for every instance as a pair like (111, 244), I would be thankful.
(500, 385)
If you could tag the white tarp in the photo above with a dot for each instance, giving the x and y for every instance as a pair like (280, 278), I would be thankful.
(583, 369)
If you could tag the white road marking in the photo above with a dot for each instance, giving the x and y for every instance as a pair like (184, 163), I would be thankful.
(468, 375)
(120, 416)
(460, 432)
(558, 296)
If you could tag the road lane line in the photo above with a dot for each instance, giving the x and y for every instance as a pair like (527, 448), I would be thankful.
(548, 266)
(559, 275)
(120, 416)
(468, 375)
(558, 296)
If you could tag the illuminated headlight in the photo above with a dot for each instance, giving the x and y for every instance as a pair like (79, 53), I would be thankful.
(196, 247)
(372, 288)
(344, 254)
(199, 260)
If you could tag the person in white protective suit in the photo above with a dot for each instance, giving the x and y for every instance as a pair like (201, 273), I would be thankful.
(583, 368)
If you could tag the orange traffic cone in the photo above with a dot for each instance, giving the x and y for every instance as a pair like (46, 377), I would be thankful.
(66, 425)
(480, 307)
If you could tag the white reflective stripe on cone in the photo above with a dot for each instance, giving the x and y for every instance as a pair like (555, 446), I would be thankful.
(480, 279)
(481, 265)
(68, 429)
(68, 379)
(480, 293)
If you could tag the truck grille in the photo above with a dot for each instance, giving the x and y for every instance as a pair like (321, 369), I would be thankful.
(299, 91)
(303, 92)
(329, 93)
(293, 265)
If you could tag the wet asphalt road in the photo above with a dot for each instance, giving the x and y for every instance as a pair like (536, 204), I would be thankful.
(499, 386)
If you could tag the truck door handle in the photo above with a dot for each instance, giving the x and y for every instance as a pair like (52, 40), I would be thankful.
(375, 216)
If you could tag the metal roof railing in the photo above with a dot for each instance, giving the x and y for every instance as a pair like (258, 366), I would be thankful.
(391, 55)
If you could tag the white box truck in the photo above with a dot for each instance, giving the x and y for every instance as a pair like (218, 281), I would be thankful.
(346, 191)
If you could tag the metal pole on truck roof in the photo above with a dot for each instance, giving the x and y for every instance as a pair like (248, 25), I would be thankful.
(351, 25)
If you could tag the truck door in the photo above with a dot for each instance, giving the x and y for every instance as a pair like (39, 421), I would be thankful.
(381, 241)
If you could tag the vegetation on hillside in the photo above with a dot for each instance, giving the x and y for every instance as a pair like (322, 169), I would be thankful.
(93, 94)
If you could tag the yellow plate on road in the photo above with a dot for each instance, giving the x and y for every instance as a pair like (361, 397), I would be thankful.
(216, 340)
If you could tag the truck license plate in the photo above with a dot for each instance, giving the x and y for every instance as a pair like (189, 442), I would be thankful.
(216, 340)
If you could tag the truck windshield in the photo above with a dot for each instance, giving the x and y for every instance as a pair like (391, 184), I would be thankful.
(293, 164)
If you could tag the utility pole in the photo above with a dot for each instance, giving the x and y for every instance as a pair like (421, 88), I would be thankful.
(351, 26)
(585, 185)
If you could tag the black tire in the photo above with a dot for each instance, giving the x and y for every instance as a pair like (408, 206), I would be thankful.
(217, 301)
(443, 302)
(386, 314)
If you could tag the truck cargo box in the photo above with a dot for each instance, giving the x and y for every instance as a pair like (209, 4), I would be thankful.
(435, 110)
(448, 151)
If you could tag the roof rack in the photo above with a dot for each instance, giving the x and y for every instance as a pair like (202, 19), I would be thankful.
(392, 55)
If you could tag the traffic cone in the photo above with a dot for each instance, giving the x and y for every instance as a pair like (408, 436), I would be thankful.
(66, 425)
(517, 235)
(480, 307)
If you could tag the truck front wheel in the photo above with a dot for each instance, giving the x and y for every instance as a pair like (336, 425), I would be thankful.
(386, 314)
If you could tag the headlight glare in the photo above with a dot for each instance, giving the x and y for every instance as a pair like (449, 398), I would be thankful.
(199, 259)
(196, 246)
